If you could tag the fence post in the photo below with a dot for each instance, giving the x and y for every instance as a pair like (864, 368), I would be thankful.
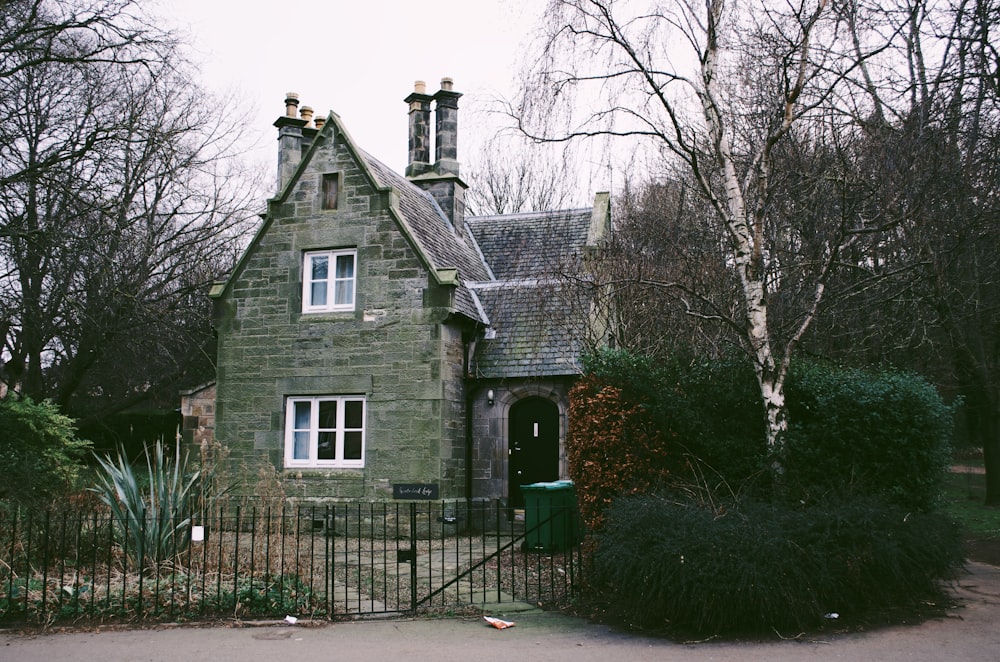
(45, 566)
(141, 550)
(328, 571)
(413, 557)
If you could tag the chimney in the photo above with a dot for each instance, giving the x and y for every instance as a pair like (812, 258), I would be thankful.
(289, 139)
(446, 129)
(419, 160)
(441, 180)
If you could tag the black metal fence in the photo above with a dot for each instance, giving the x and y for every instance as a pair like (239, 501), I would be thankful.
(260, 561)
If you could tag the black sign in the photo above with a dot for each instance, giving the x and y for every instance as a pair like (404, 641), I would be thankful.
(415, 491)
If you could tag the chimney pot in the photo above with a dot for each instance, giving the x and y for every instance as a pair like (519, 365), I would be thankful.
(420, 87)
(447, 84)
(307, 114)
(291, 103)
(320, 121)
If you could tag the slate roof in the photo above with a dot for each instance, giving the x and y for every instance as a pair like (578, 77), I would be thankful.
(531, 244)
(435, 234)
(536, 332)
(538, 321)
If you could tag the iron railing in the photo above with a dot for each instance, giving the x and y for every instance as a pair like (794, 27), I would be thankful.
(262, 561)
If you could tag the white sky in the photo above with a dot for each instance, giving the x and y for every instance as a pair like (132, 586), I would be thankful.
(358, 58)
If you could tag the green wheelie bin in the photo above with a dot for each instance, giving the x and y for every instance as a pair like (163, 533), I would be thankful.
(551, 520)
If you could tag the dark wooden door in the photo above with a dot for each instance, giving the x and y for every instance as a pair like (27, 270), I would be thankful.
(533, 446)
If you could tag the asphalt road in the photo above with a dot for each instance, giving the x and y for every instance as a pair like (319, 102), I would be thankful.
(971, 632)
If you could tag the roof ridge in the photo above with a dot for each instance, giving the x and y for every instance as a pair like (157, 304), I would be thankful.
(529, 214)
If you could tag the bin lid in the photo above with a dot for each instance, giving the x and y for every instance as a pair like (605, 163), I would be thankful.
(554, 485)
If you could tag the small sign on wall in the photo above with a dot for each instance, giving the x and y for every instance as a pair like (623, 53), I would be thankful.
(415, 491)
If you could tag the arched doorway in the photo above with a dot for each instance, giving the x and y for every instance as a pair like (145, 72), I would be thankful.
(533, 443)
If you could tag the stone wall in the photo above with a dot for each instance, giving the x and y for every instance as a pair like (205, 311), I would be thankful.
(198, 417)
(397, 347)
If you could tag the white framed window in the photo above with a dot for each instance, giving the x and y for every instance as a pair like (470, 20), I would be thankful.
(328, 281)
(325, 431)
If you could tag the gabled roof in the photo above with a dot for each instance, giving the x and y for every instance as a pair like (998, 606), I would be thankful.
(538, 321)
(450, 259)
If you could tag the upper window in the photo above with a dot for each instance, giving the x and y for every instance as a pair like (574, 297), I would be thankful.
(328, 281)
(331, 189)
(325, 431)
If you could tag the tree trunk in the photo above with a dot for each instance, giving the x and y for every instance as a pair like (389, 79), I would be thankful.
(772, 392)
(746, 249)
(990, 431)
(983, 409)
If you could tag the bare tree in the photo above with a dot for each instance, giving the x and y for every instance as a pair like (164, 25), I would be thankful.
(659, 268)
(847, 154)
(935, 167)
(511, 175)
(121, 200)
(721, 87)
(41, 33)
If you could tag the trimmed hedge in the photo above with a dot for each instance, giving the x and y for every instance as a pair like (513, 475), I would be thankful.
(874, 432)
(757, 568)
(616, 449)
(851, 431)
(705, 415)
(848, 529)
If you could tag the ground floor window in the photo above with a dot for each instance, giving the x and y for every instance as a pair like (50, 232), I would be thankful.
(325, 431)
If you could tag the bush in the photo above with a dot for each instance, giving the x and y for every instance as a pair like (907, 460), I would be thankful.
(635, 423)
(40, 455)
(880, 433)
(874, 432)
(151, 510)
(613, 448)
(754, 568)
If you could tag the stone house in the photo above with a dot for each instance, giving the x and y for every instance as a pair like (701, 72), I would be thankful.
(372, 334)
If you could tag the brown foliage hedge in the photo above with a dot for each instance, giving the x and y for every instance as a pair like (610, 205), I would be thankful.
(613, 448)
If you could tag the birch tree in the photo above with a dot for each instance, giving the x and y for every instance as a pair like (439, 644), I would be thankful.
(724, 89)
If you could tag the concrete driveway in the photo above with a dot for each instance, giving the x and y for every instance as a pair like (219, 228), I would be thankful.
(970, 632)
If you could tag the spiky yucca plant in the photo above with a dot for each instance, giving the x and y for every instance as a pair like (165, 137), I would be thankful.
(152, 523)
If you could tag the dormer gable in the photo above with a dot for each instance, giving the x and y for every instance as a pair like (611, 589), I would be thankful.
(322, 172)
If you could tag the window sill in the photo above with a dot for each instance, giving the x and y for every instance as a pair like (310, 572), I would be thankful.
(327, 315)
(340, 473)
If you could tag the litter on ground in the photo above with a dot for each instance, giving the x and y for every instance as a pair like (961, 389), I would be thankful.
(498, 623)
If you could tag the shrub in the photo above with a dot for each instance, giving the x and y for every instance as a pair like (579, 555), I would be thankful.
(613, 448)
(715, 411)
(40, 455)
(152, 512)
(851, 430)
(754, 568)
(634, 423)
(872, 432)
